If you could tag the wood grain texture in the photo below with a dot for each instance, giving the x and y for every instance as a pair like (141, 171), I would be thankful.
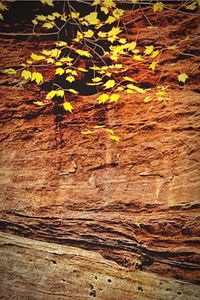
(133, 205)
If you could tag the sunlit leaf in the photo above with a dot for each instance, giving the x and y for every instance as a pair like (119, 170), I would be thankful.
(103, 98)
(70, 78)
(60, 71)
(136, 88)
(38, 77)
(182, 77)
(68, 107)
(48, 25)
(148, 99)
(51, 95)
(9, 71)
(138, 57)
(114, 97)
(109, 84)
(115, 138)
(37, 57)
(86, 132)
(48, 2)
(89, 33)
(83, 53)
(153, 65)
(149, 49)
(39, 103)
(158, 6)
(26, 74)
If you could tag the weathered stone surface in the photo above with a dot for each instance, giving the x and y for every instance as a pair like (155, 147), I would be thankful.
(135, 202)
(41, 270)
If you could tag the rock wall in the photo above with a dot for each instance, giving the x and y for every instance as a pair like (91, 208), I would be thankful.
(100, 218)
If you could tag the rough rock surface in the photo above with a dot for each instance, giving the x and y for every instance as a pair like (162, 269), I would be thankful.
(133, 205)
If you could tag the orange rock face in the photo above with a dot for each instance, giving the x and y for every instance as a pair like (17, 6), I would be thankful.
(132, 206)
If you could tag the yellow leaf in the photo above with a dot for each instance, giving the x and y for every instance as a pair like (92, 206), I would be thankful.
(96, 2)
(39, 103)
(129, 91)
(138, 57)
(132, 46)
(68, 107)
(3, 7)
(48, 25)
(105, 10)
(128, 78)
(37, 57)
(48, 2)
(173, 47)
(109, 130)
(83, 53)
(153, 65)
(154, 53)
(35, 22)
(60, 93)
(117, 13)
(158, 6)
(55, 53)
(86, 132)
(26, 74)
(70, 78)
(102, 34)
(51, 95)
(114, 97)
(37, 77)
(75, 15)
(103, 98)
(41, 18)
(114, 31)
(115, 138)
(96, 79)
(182, 77)
(1, 17)
(137, 89)
(109, 3)
(60, 71)
(109, 84)
(149, 49)
(110, 20)
(9, 71)
(147, 99)
(192, 6)
(50, 60)
(73, 91)
(89, 33)
(82, 69)
(61, 44)
(92, 18)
